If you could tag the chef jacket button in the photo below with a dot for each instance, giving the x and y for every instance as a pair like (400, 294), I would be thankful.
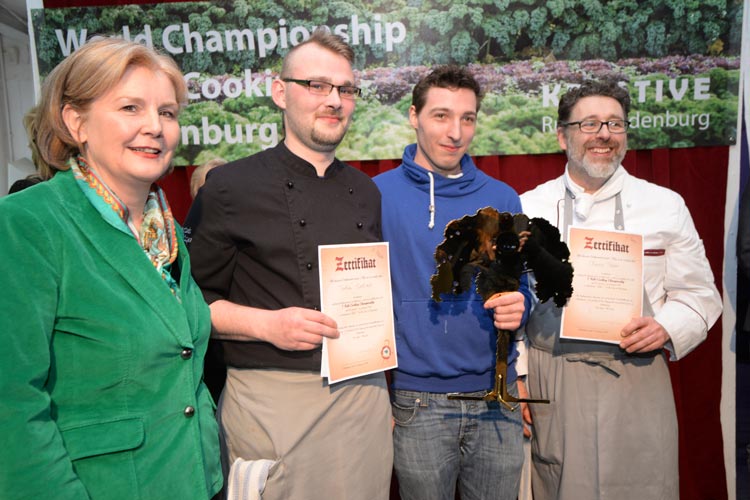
(302, 222)
(309, 266)
(186, 353)
(360, 225)
(289, 184)
(189, 411)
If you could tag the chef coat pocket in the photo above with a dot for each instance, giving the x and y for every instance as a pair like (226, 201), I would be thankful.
(654, 268)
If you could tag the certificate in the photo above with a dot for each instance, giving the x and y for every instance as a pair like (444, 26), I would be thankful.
(355, 290)
(607, 284)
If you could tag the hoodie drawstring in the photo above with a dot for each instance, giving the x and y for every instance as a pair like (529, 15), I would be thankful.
(432, 201)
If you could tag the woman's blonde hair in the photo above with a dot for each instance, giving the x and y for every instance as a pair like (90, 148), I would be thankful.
(79, 80)
(29, 124)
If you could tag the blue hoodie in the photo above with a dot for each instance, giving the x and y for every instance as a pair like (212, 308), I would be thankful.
(446, 346)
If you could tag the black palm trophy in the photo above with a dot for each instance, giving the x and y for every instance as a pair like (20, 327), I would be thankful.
(493, 248)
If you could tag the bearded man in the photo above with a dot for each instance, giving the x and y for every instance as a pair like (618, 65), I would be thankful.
(610, 430)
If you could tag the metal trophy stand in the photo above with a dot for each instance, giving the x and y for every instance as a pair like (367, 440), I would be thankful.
(494, 249)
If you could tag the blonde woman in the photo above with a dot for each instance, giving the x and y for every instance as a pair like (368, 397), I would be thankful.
(103, 329)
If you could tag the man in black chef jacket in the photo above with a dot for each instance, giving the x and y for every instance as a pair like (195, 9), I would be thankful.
(255, 228)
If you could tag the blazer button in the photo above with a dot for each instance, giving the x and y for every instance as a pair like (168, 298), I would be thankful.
(360, 225)
(302, 222)
(309, 266)
(289, 184)
(189, 411)
(186, 353)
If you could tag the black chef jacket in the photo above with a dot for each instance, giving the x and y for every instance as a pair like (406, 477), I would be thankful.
(254, 231)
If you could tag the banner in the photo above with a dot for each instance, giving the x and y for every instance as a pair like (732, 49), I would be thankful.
(680, 61)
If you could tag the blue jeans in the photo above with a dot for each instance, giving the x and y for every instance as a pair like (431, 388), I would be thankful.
(440, 443)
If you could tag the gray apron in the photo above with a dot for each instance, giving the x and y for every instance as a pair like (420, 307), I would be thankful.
(610, 430)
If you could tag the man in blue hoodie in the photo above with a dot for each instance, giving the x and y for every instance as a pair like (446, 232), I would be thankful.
(447, 347)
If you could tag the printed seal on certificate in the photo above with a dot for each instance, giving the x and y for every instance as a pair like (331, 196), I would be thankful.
(386, 352)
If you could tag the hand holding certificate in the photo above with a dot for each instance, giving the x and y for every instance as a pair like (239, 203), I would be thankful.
(355, 290)
(607, 285)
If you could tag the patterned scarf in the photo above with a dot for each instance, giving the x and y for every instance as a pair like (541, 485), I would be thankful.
(157, 234)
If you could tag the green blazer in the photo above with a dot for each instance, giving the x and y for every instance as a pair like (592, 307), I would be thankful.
(101, 368)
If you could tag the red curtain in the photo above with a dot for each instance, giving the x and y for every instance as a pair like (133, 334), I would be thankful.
(700, 176)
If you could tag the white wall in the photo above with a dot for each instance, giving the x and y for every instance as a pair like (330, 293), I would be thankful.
(16, 98)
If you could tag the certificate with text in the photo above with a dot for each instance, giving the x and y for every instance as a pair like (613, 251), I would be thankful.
(607, 284)
(355, 290)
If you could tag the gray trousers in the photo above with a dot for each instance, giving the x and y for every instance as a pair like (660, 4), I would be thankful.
(331, 442)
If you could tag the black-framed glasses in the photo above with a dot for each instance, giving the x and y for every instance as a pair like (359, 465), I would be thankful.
(594, 126)
(324, 88)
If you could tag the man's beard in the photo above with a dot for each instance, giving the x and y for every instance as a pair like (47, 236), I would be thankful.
(599, 171)
(328, 140)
